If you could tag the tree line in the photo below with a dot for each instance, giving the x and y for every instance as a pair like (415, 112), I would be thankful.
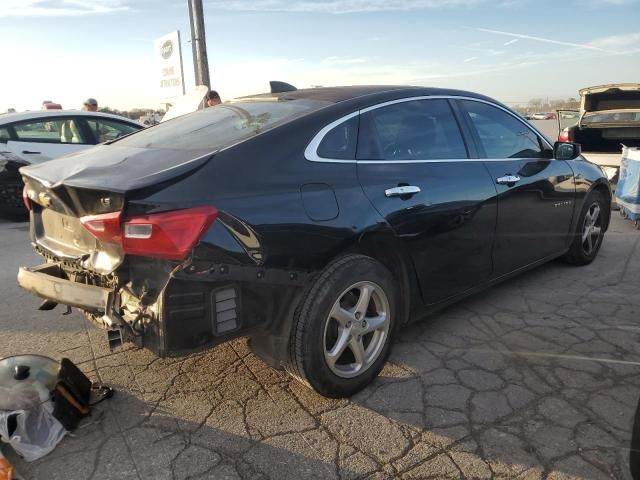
(537, 105)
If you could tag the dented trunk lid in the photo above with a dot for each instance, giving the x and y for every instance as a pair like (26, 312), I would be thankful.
(93, 182)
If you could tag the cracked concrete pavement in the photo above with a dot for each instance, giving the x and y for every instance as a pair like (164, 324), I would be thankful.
(537, 378)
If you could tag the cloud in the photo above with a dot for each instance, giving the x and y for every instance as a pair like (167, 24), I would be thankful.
(59, 8)
(617, 41)
(520, 36)
(613, 2)
(335, 60)
(470, 59)
(511, 42)
(337, 6)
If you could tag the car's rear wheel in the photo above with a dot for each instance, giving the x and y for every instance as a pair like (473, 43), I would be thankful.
(343, 327)
(590, 231)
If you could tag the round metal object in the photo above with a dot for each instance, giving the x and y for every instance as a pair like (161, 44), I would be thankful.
(26, 380)
(592, 229)
(352, 345)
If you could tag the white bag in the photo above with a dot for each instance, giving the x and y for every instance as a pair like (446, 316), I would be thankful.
(37, 432)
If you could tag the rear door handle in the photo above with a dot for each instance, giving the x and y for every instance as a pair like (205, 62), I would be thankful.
(28, 152)
(508, 180)
(401, 191)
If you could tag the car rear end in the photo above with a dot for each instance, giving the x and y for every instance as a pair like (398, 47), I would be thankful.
(609, 119)
(121, 245)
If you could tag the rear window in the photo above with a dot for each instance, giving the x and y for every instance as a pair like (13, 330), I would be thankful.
(220, 126)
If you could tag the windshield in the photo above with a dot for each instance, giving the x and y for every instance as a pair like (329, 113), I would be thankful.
(611, 117)
(220, 126)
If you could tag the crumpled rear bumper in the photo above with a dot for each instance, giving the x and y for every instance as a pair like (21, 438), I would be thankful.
(49, 281)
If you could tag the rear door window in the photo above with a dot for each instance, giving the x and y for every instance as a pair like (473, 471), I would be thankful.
(58, 130)
(106, 130)
(502, 135)
(413, 130)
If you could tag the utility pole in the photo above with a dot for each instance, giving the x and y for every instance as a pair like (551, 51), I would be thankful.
(199, 43)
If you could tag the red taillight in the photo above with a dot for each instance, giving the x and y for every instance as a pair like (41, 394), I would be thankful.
(564, 135)
(105, 227)
(169, 235)
(25, 198)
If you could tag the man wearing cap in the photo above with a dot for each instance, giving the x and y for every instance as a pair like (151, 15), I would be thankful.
(90, 105)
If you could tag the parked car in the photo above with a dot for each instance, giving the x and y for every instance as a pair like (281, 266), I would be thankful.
(318, 223)
(609, 117)
(43, 135)
(33, 137)
(11, 186)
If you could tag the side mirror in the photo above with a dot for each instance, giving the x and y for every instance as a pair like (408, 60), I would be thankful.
(566, 150)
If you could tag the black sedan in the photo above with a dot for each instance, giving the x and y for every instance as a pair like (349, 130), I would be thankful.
(316, 222)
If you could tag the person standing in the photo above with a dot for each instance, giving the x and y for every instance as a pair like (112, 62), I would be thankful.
(90, 105)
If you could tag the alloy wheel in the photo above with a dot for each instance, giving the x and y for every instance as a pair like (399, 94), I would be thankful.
(356, 329)
(592, 229)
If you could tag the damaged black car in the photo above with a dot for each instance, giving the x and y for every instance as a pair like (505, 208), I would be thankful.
(318, 223)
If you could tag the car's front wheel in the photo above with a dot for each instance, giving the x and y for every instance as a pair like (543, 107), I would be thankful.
(343, 327)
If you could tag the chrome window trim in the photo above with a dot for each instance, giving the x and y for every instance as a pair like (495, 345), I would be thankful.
(311, 152)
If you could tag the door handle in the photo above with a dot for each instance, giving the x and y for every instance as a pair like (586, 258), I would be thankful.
(508, 180)
(401, 191)
(28, 152)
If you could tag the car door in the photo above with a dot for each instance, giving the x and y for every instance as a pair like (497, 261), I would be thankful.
(414, 167)
(536, 192)
(567, 118)
(106, 129)
(47, 138)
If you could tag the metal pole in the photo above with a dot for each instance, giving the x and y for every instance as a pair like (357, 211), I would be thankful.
(199, 43)
(181, 68)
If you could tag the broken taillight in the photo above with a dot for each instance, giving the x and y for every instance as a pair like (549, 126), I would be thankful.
(105, 227)
(170, 235)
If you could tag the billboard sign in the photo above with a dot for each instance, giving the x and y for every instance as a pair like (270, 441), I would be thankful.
(169, 57)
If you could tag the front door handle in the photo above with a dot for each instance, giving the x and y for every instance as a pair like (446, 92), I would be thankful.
(28, 152)
(401, 191)
(508, 180)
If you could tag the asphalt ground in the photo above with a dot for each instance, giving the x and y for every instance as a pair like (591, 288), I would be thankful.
(535, 378)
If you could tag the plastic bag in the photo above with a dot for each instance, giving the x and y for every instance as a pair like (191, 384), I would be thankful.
(21, 397)
(37, 431)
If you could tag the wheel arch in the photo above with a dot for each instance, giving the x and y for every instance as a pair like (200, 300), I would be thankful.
(601, 186)
(387, 249)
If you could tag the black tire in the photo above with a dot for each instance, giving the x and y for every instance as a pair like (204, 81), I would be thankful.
(312, 323)
(579, 253)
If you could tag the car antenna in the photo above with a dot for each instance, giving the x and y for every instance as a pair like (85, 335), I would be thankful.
(281, 87)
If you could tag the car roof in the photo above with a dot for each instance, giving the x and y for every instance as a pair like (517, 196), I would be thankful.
(341, 94)
(43, 114)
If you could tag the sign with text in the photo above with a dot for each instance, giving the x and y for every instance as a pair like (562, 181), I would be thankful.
(169, 57)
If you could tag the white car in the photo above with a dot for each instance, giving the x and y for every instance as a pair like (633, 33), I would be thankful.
(43, 135)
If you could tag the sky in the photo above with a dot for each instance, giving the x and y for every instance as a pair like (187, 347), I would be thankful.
(512, 50)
